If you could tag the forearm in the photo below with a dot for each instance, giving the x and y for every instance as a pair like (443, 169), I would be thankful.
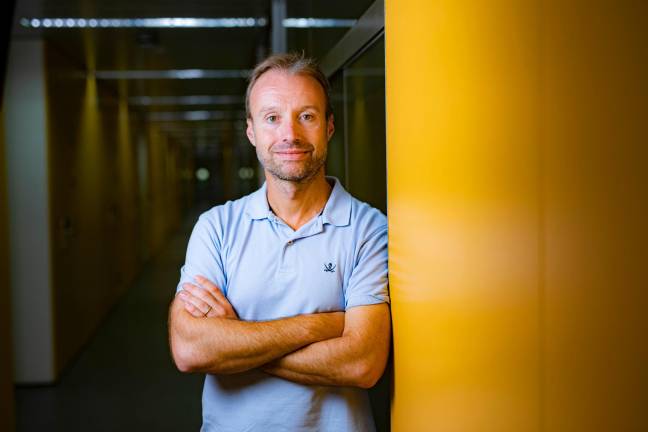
(357, 358)
(223, 346)
(329, 362)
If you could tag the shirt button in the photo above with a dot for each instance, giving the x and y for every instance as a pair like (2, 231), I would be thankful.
(290, 242)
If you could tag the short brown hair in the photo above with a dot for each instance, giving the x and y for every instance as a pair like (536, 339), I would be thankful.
(293, 63)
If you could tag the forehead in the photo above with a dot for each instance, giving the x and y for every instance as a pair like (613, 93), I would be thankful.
(280, 87)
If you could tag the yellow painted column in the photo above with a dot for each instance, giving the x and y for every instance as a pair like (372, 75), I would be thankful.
(517, 199)
(463, 197)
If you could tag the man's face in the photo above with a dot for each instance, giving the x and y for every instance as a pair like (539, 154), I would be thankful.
(288, 125)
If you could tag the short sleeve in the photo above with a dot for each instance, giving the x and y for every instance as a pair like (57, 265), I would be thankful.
(368, 283)
(203, 255)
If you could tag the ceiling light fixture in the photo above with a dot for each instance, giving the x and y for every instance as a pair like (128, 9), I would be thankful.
(241, 22)
(317, 22)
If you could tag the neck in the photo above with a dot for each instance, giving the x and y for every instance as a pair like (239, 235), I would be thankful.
(297, 203)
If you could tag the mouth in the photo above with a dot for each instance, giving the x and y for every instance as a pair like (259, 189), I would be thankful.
(292, 155)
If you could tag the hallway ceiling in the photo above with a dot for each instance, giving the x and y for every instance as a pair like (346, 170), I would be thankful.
(160, 49)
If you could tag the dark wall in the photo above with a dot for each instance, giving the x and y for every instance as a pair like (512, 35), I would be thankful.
(6, 380)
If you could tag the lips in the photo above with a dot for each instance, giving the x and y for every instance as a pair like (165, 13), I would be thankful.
(292, 154)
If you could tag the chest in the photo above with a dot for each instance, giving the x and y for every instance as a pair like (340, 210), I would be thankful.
(273, 274)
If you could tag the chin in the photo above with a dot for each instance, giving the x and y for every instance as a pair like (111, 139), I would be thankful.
(293, 172)
(293, 176)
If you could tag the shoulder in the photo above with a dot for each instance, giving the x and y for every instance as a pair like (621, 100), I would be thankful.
(224, 212)
(355, 216)
(365, 216)
(217, 219)
(369, 234)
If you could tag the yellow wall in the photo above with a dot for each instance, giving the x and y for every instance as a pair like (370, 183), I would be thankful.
(517, 201)
(94, 198)
(164, 177)
(6, 376)
(596, 211)
(84, 181)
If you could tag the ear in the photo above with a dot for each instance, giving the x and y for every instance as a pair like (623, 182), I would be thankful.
(250, 132)
(330, 127)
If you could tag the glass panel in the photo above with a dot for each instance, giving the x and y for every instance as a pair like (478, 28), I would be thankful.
(317, 42)
(364, 86)
(314, 42)
(336, 161)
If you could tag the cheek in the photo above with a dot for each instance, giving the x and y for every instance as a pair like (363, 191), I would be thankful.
(260, 137)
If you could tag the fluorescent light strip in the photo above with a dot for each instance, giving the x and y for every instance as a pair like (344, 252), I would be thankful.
(317, 22)
(186, 100)
(194, 115)
(173, 74)
(243, 22)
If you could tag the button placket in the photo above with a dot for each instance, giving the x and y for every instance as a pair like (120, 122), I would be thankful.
(287, 264)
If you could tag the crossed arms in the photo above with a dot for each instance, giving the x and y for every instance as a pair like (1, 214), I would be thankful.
(336, 348)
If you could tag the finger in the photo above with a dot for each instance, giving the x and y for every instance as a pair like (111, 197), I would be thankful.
(215, 291)
(201, 293)
(212, 288)
(187, 297)
(193, 311)
(229, 311)
(213, 309)
(217, 311)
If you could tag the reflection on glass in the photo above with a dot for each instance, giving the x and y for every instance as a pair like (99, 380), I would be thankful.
(357, 154)
(364, 83)
(336, 161)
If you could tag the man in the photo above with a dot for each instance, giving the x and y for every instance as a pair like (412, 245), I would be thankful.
(283, 298)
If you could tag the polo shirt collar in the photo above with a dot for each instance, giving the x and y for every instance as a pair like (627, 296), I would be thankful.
(337, 210)
(257, 206)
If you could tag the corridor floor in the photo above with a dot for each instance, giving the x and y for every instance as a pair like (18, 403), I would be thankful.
(124, 379)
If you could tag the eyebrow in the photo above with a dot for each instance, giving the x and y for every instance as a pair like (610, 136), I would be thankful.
(311, 107)
(267, 109)
(274, 108)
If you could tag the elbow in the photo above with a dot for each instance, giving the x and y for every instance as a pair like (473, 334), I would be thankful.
(184, 366)
(366, 374)
(188, 360)
(183, 344)
(368, 381)
(183, 358)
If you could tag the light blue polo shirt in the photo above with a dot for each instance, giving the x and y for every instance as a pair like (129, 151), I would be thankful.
(267, 271)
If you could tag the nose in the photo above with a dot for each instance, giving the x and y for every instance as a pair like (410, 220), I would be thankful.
(290, 131)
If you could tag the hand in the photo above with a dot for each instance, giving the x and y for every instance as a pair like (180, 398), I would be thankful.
(205, 300)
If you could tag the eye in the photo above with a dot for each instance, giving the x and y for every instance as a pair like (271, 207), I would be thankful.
(271, 118)
(308, 116)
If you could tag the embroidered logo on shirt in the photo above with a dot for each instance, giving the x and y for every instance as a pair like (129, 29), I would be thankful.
(330, 267)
